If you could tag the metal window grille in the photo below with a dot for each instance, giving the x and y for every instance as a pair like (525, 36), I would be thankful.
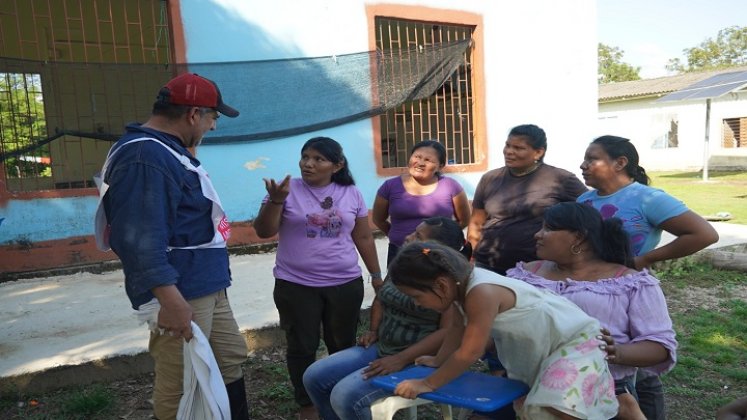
(735, 133)
(21, 122)
(87, 32)
(446, 115)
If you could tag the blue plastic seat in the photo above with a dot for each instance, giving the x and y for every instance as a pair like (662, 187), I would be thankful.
(473, 390)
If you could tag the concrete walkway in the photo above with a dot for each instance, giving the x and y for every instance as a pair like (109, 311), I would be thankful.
(73, 319)
(84, 317)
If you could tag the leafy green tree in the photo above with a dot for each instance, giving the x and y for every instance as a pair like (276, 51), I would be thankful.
(612, 68)
(729, 49)
(22, 123)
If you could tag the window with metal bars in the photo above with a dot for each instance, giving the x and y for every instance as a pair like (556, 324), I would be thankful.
(79, 54)
(734, 133)
(447, 115)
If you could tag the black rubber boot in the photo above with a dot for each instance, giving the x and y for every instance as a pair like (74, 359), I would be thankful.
(237, 400)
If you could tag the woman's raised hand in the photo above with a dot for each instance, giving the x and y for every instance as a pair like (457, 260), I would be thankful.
(277, 191)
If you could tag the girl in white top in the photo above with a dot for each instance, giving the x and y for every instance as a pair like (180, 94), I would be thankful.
(542, 339)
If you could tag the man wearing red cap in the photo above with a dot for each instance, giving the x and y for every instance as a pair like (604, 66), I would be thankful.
(161, 215)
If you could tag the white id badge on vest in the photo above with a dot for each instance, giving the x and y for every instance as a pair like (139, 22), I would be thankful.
(221, 228)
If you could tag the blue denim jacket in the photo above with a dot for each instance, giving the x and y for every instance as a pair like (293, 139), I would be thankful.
(154, 202)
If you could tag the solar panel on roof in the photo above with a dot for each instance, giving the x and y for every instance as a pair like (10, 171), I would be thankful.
(712, 87)
(721, 78)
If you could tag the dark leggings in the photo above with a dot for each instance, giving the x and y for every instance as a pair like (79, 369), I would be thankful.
(302, 310)
(391, 253)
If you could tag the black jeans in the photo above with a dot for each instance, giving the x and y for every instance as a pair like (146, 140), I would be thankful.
(650, 392)
(302, 310)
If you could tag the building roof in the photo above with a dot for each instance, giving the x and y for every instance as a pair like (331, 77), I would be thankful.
(636, 89)
(712, 87)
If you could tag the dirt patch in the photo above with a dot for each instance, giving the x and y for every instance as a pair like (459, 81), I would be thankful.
(710, 299)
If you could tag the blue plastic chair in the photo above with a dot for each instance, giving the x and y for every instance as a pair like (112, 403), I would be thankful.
(472, 390)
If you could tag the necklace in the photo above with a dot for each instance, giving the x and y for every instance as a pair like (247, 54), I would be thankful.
(327, 202)
(526, 172)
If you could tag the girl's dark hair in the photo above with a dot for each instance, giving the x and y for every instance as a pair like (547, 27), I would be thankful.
(534, 135)
(332, 151)
(418, 264)
(449, 233)
(620, 146)
(440, 149)
(607, 238)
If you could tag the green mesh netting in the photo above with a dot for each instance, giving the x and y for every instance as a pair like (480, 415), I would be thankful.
(276, 98)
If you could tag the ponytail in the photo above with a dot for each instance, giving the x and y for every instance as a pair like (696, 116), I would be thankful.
(639, 175)
(466, 250)
(615, 243)
(419, 264)
(607, 238)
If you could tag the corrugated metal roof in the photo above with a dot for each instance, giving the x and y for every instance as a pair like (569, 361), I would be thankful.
(659, 86)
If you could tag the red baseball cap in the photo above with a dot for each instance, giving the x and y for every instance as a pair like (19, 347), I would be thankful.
(194, 90)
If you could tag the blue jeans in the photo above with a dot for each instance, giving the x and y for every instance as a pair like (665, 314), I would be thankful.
(336, 386)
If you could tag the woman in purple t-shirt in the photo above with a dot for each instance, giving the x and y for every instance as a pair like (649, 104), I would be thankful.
(403, 202)
(321, 220)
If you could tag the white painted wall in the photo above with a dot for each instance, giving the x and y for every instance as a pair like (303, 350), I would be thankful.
(540, 68)
(644, 120)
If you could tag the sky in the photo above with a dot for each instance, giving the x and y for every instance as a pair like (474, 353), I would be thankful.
(650, 32)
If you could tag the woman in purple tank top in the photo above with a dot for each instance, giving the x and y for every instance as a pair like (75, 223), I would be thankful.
(403, 202)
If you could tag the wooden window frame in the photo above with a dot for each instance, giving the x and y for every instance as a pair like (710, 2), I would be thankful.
(446, 17)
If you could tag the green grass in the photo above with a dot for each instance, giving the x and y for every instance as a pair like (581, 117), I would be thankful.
(710, 326)
(723, 192)
(88, 403)
(94, 402)
(688, 272)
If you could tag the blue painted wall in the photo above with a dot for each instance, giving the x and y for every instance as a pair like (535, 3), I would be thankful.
(247, 33)
(44, 219)
(564, 103)
(238, 170)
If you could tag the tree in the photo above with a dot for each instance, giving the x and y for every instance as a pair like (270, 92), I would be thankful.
(612, 68)
(729, 49)
(22, 124)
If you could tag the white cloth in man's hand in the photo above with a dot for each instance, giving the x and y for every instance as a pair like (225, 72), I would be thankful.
(205, 396)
